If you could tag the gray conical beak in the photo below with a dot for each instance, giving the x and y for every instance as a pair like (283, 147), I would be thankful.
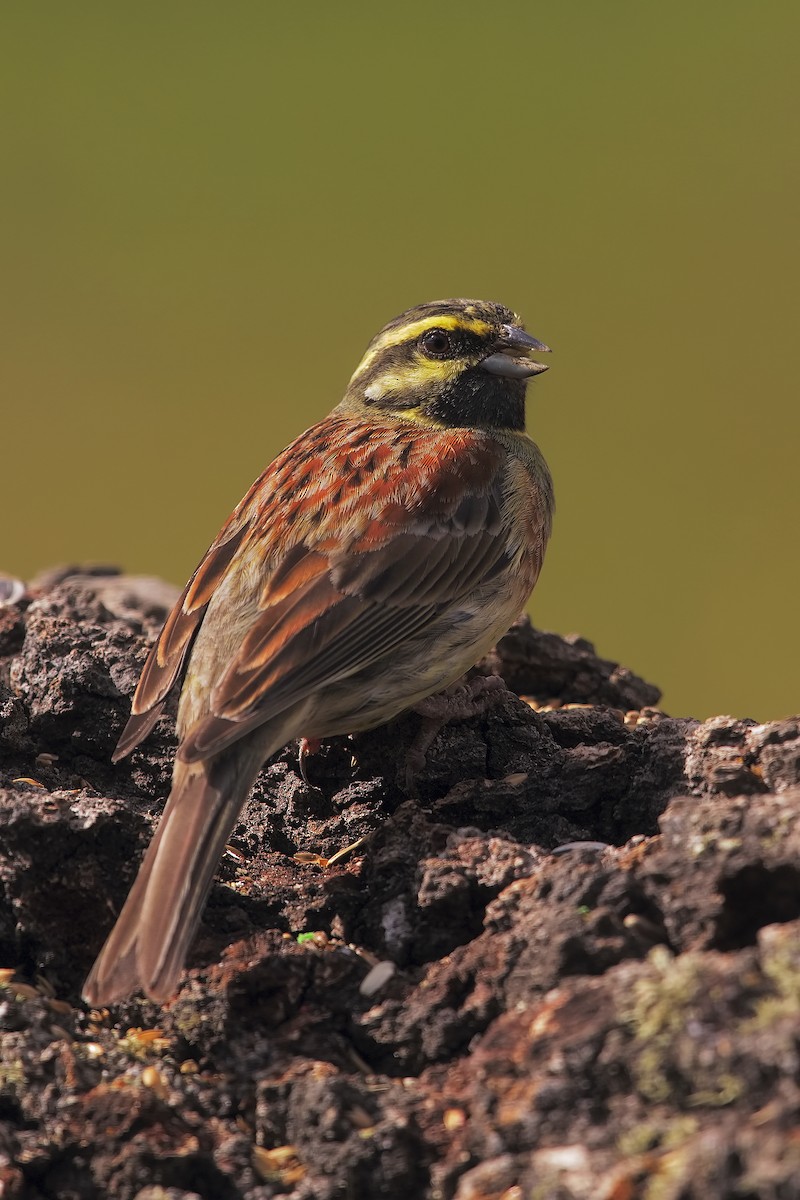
(511, 354)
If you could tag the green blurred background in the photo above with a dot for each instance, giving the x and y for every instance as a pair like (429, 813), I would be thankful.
(208, 209)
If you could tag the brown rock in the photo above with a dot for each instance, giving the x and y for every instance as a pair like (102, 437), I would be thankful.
(618, 1019)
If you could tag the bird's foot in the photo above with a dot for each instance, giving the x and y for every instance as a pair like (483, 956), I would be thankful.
(308, 746)
(333, 764)
(462, 700)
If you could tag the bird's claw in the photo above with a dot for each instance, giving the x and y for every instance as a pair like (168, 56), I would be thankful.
(460, 702)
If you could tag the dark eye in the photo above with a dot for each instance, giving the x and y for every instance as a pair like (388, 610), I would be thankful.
(436, 343)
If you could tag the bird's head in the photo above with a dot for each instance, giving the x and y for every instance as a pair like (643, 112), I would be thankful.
(448, 363)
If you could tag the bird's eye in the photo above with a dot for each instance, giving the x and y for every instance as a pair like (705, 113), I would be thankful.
(436, 343)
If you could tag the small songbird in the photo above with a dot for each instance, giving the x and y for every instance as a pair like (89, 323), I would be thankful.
(372, 564)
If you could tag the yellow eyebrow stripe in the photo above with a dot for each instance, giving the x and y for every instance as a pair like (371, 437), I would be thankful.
(393, 337)
(407, 333)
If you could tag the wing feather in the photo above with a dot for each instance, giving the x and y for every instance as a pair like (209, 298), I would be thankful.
(351, 612)
(352, 550)
(167, 656)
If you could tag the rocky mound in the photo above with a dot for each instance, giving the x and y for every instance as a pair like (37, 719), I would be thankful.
(568, 966)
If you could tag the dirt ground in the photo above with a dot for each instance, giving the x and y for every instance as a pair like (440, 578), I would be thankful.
(568, 966)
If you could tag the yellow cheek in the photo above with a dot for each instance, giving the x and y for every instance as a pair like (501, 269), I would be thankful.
(426, 374)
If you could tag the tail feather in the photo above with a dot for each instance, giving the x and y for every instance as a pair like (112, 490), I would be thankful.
(146, 948)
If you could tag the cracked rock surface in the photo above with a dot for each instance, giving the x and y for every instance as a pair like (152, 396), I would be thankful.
(568, 966)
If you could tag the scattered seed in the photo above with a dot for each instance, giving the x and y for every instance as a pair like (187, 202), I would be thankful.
(154, 1080)
(359, 1117)
(11, 591)
(567, 847)
(280, 1165)
(377, 977)
(344, 851)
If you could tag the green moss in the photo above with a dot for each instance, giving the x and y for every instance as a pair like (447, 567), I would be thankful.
(670, 1175)
(780, 962)
(668, 1060)
(658, 1012)
(188, 1020)
(639, 1139)
(12, 1075)
(726, 1088)
(654, 1134)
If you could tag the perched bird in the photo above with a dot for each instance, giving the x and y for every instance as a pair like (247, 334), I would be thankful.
(373, 562)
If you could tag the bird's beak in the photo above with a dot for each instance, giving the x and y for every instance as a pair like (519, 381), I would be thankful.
(511, 354)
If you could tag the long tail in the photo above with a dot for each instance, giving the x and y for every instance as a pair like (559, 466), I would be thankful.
(146, 948)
